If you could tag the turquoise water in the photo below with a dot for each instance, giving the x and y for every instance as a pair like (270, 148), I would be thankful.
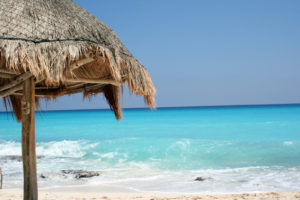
(236, 149)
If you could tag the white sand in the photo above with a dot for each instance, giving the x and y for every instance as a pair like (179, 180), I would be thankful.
(7, 194)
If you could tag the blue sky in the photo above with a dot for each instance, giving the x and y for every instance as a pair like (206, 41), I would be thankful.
(206, 52)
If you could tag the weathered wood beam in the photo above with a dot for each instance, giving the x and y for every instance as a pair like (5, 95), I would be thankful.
(45, 88)
(28, 140)
(77, 85)
(94, 87)
(7, 71)
(21, 94)
(5, 75)
(64, 91)
(1, 177)
(41, 91)
(100, 81)
(16, 81)
(80, 63)
(85, 89)
(53, 88)
(59, 91)
(11, 90)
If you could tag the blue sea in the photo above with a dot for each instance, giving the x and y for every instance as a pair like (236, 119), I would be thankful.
(234, 149)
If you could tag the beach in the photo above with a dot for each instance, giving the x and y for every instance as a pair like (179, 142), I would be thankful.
(172, 151)
(221, 119)
(51, 195)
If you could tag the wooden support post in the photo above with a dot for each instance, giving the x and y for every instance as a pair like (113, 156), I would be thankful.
(1, 177)
(28, 141)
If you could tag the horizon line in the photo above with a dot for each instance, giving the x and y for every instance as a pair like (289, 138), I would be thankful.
(171, 107)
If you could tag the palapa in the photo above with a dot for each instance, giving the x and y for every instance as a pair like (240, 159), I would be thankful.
(51, 48)
(68, 51)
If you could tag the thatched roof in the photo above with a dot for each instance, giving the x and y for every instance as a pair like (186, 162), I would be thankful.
(67, 50)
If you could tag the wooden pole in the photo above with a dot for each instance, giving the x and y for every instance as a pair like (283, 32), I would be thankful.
(28, 141)
(1, 177)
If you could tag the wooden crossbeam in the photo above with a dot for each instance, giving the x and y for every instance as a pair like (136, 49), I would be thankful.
(64, 87)
(68, 90)
(75, 86)
(96, 81)
(85, 89)
(16, 81)
(5, 75)
(7, 71)
(11, 90)
(81, 63)
(42, 91)
(18, 93)
(39, 92)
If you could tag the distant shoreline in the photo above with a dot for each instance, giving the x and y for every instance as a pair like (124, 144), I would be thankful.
(174, 107)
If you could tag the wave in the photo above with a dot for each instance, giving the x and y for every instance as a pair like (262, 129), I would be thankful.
(136, 165)
(72, 149)
(10, 148)
(165, 153)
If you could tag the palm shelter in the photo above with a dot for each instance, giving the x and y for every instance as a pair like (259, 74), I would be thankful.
(53, 48)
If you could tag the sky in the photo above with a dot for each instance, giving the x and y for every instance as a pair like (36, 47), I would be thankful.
(205, 52)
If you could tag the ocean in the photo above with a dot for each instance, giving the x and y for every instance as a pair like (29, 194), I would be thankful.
(234, 149)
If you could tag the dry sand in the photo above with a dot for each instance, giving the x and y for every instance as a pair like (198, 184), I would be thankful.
(50, 195)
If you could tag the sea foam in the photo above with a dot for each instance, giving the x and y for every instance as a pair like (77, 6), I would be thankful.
(232, 149)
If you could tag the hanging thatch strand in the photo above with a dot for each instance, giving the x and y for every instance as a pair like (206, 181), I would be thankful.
(61, 45)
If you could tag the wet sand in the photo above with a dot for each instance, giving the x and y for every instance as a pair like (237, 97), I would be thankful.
(11, 194)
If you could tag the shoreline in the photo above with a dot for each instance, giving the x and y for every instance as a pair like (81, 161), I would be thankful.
(45, 194)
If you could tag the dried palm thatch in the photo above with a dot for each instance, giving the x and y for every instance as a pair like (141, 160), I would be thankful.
(67, 51)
